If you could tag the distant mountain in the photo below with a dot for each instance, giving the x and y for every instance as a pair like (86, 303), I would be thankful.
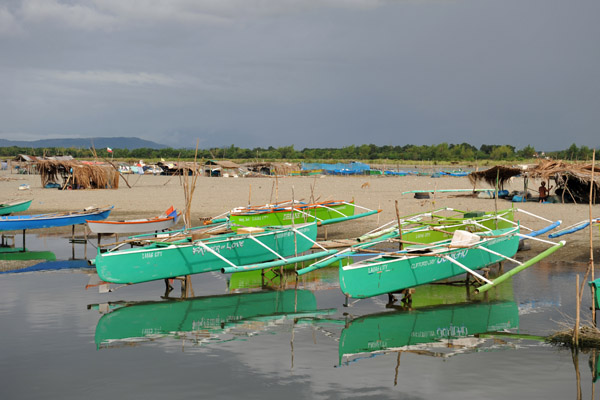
(129, 143)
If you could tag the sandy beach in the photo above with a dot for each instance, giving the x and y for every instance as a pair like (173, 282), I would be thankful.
(150, 195)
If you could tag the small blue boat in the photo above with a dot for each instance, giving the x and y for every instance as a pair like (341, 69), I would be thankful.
(51, 220)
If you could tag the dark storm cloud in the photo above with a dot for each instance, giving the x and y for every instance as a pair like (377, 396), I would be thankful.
(311, 74)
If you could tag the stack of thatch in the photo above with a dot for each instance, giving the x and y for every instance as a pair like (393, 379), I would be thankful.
(78, 175)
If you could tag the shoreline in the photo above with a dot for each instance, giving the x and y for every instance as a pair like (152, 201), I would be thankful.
(151, 195)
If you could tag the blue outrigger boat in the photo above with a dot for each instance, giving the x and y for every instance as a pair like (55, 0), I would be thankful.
(51, 220)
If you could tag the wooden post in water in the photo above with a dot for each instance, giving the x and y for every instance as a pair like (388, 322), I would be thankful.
(592, 240)
(578, 306)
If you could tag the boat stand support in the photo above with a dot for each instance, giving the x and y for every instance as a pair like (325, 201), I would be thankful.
(5, 238)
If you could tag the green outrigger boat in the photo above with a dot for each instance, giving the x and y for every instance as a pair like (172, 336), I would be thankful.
(163, 258)
(418, 264)
(293, 212)
(14, 206)
(406, 330)
(202, 318)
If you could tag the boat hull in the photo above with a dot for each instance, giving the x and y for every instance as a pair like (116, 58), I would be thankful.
(128, 227)
(164, 260)
(283, 215)
(15, 206)
(385, 274)
(39, 221)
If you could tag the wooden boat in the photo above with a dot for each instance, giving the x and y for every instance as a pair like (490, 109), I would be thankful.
(423, 228)
(294, 212)
(51, 220)
(154, 224)
(437, 225)
(175, 256)
(214, 315)
(418, 330)
(419, 264)
(14, 206)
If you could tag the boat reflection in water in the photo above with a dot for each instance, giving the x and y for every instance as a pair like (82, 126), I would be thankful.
(21, 254)
(202, 320)
(438, 331)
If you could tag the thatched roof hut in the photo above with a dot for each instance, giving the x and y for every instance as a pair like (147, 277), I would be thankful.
(572, 180)
(221, 168)
(272, 168)
(180, 168)
(495, 174)
(77, 174)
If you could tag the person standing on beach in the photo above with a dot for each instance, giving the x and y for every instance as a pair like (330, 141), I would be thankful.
(544, 193)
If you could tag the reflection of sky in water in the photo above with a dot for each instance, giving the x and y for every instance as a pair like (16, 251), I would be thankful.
(48, 348)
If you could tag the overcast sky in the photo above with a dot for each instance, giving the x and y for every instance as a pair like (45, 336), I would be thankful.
(307, 73)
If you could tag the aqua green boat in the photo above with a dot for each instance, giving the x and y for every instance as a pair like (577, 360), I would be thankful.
(419, 265)
(288, 213)
(162, 258)
(398, 330)
(202, 317)
(14, 206)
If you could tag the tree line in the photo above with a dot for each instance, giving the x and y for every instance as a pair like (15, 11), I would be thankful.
(366, 152)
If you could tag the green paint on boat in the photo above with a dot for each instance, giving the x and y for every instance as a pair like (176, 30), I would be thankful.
(302, 213)
(395, 330)
(211, 315)
(15, 206)
(160, 260)
(393, 273)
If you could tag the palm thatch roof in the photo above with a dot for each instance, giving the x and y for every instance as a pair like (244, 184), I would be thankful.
(495, 174)
(573, 180)
(77, 174)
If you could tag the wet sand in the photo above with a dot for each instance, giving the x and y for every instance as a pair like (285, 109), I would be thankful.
(151, 195)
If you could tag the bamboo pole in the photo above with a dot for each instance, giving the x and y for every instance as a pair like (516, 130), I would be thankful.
(592, 241)
(399, 225)
(578, 306)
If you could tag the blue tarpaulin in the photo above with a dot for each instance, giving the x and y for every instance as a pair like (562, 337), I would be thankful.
(351, 168)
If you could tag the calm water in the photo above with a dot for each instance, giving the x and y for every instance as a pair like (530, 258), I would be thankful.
(61, 340)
